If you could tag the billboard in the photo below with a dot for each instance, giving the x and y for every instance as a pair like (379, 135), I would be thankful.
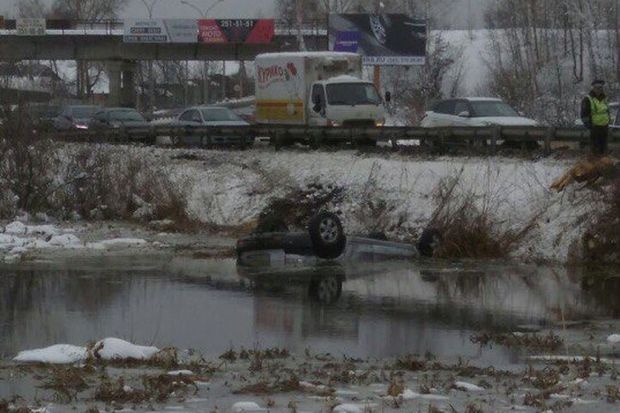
(382, 39)
(30, 27)
(160, 31)
(254, 31)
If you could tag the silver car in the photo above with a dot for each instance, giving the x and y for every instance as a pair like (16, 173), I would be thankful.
(201, 116)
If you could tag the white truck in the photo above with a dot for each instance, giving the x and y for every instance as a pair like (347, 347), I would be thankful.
(315, 89)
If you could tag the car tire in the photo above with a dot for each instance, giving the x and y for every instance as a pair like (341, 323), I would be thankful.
(429, 242)
(326, 290)
(327, 235)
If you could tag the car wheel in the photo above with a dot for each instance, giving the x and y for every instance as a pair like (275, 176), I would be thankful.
(429, 242)
(326, 290)
(327, 235)
(205, 142)
(175, 140)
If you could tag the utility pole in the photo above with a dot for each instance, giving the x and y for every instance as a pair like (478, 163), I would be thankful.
(150, 5)
(205, 64)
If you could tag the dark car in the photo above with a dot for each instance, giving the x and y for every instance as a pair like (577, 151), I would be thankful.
(42, 116)
(74, 117)
(126, 121)
(320, 255)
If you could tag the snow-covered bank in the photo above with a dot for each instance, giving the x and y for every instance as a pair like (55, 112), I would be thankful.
(389, 192)
(232, 188)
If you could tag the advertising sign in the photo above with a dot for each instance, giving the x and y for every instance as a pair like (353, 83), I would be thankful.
(30, 27)
(382, 39)
(160, 31)
(249, 31)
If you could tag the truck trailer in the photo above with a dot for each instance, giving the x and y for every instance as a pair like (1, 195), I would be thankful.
(315, 89)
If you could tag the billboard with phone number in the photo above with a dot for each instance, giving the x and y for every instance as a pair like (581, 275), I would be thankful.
(249, 31)
(382, 39)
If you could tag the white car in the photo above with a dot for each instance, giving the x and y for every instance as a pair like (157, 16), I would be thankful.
(474, 112)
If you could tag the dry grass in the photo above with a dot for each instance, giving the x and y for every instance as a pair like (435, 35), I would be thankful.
(67, 382)
(467, 222)
(293, 210)
(537, 342)
(601, 243)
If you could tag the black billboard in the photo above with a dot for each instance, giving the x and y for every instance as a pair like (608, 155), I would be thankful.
(383, 39)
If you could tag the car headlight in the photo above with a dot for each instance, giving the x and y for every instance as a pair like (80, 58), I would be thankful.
(81, 126)
(380, 122)
(331, 122)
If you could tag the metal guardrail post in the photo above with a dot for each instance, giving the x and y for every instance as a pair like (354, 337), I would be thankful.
(549, 136)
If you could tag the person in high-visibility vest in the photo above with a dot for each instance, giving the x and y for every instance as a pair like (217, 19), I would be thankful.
(596, 117)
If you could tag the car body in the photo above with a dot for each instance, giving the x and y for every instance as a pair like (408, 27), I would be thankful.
(43, 116)
(202, 116)
(290, 258)
(319, 255)
(118, 118)
(474, 112)
(74, 117)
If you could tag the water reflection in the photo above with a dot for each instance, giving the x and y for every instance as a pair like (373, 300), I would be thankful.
(379, 310)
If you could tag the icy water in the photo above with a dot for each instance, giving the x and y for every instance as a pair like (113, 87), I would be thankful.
(383, 310)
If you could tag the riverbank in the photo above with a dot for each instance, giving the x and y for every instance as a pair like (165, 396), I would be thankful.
(508, 200)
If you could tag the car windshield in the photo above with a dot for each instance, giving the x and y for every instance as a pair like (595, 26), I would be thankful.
(219, 115)
(489, 108)
(126, 115)
(352, 94)
(83, 112)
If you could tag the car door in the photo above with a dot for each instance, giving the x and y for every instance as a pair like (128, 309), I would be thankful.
(189, 120)
(317, 105)
(99, 120)
(461, 107)
(443, 113)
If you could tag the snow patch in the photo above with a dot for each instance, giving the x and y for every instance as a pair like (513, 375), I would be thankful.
(614, 339)
(463, 385)
(107, 349)
(241, 407)
(117, 349)
(56, 354)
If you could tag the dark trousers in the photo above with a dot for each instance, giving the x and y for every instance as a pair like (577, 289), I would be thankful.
(598, 139)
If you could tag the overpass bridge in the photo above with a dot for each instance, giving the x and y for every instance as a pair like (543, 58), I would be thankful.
(103, 41)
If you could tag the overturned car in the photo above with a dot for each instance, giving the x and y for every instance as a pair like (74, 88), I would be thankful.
(322, 249)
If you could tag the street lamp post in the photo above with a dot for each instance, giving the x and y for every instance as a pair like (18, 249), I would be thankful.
(205, 67)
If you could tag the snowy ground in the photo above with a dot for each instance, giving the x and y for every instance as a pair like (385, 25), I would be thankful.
(231, 188)
(115, 374)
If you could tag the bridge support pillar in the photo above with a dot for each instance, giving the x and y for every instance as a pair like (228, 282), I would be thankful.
(122, 83)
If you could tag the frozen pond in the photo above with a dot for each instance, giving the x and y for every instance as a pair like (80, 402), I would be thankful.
(384, 310)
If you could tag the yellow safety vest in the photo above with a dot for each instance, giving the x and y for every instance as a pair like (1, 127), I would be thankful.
(600, 111)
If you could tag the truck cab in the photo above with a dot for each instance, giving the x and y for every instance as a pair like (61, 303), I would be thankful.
(345, 101)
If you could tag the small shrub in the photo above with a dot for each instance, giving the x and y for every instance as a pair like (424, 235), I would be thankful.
(295, 208)
(601, 243)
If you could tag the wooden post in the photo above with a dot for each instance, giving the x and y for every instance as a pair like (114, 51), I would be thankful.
(376, 79)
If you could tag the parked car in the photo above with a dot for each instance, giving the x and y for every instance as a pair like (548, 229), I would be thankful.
(201, 116)
(125, 120)
(42, 116)
(74, 117)
(320, 251)
(474, 112)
